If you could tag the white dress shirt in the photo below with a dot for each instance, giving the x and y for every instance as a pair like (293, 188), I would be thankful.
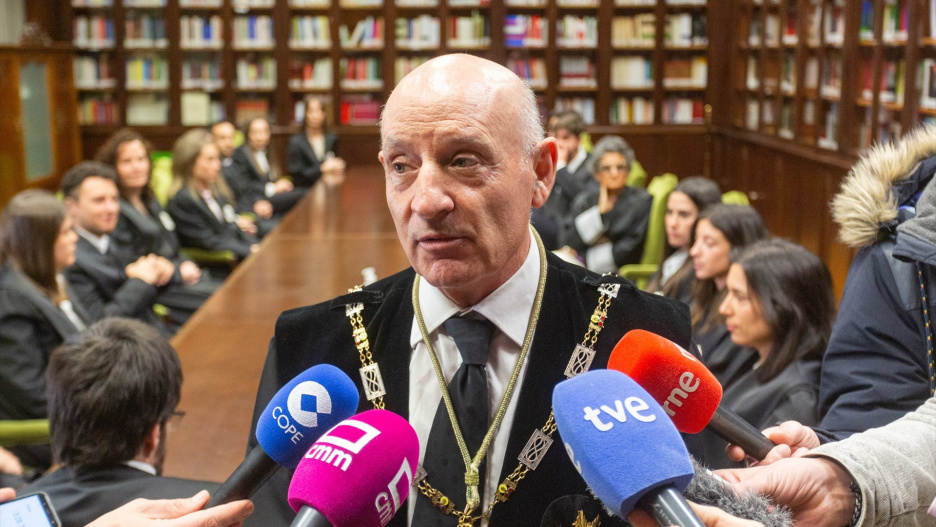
(101, 243)
(509, 308)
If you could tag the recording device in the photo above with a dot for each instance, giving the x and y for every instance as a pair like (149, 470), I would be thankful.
(356, 475)
(298, 414)
(684, 387)
(707, 488)
(29, 511)
(625, 446)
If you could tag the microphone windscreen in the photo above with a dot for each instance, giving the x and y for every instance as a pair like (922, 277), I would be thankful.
(618, 438)
(302, 410)
(680, 383)
(359, 473)
(709, 489)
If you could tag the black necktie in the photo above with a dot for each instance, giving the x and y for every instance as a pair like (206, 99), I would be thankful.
(468, 391)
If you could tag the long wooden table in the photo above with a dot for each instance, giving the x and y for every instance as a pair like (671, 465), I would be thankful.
(316, 253)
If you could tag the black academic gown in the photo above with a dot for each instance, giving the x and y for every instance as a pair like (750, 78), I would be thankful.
(81, 496)
(322, 334)
(198, 227)
(303, 165)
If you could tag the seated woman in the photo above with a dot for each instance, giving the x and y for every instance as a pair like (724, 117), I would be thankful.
(145, 228)
(200, 204)
(312, 153)
(722, 232)
(675, 276)
(779, 303)
(255, 180)
(607, 224)
(37, 309)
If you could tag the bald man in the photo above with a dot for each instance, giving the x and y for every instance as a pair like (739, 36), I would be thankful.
(464, 155)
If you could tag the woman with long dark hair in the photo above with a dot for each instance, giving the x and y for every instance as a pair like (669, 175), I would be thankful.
(313, 152)
(37, 311)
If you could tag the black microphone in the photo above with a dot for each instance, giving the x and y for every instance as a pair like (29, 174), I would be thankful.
(298, 414)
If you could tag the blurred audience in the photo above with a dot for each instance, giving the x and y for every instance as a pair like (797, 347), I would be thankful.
(38, 308)
(606, 224)
(106, 278)
(201, 202)
(145, 228)
(112, 391)
(566, 126)
(312, 153)
(223, 133)
(675, 276)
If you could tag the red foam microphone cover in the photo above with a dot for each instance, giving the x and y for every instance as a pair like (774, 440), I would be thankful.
(679, 382)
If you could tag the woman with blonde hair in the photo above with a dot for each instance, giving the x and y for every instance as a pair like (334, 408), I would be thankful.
(37, 311)
(201, 202)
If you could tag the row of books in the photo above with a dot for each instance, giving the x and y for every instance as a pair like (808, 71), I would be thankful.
(199, 109)
(309, 32)
(525, 31)
(147, 109)
(637, 110)
(927, 83)
(145, 31)
(421, 32)
(149, 72)
(532, 71)
(201, 32)
(765, 31)
(248, 108)
(686, 29)
(202, 75)
(638, 31)
(359, 110)
(685, 73)
(361, 73)
(93, 73)
(577, 72)
(253, 32)
(577, 32)
(630, 72)
(890, 86)
(403, 65)
(93, 32)
(258, 73)
(469, 31)
(311, 74)
(895, 21)
(368, 33)
(682, 110)
(584, 106)
(98, 110)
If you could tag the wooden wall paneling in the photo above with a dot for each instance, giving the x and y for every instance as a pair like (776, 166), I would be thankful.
(12, 162)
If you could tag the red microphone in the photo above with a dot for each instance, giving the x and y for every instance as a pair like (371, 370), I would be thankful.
(684, 387)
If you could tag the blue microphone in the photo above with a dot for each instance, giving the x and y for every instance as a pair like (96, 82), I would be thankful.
(301, 411)
(625, 446)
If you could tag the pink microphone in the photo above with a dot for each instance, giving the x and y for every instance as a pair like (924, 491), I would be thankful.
(358, 474)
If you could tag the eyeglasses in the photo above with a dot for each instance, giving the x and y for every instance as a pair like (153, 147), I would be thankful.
(604, 169)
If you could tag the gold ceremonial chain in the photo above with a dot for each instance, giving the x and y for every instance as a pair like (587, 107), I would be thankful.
(539, 441)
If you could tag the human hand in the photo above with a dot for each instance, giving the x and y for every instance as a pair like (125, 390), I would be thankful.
(166, 269)
(817, 490)
(183, 512)
(283, 185)
(263, 208)
(254, 248)
(190, 272)
(9, 463)
(145, 268)
(246, 225)
(792, 439)
(604, 203)
(7, 494)
(710, 516)
(333, 171)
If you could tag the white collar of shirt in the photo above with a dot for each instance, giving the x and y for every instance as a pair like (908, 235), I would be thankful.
(508, 307)
(139, 465)
(574, 163)
(101, 243)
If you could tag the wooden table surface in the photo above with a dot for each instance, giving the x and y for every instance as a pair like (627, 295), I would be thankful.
(316, 253)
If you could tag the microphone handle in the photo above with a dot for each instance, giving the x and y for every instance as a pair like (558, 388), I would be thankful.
(732, 428)
(669, 507)
(309, 517)
(252, 473)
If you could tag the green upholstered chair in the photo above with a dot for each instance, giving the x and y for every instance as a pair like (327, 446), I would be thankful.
(660, 188)
(735, 197)
(637, 177)
(24, 432)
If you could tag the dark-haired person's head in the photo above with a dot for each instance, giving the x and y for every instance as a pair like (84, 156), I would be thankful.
(314, 119)
(721, 233)
(568, 129)
(92, 197)
(684, 204)
(257, 134)
(111, 390)
(780, 302)
(129, 155)
(223, 134)
(36, 237)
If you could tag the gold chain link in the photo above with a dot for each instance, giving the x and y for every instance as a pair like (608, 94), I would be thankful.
(363, 343)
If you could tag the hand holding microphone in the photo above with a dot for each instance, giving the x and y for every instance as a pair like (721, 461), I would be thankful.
(356, 475)
(295, 417)
(625, 446)
(684, 387)
(792, 438)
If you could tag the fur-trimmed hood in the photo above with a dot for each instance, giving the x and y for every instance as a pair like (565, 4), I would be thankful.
(887, 177)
